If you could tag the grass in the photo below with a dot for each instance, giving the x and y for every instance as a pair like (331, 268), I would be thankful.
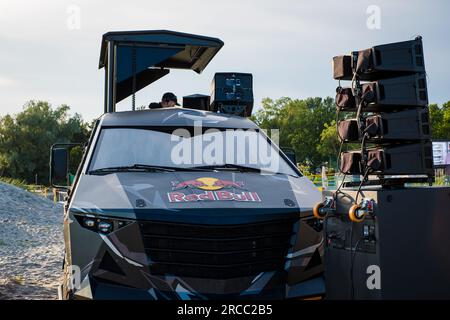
(16, 182)
(440, 181)
(21, 184)
(36, 189)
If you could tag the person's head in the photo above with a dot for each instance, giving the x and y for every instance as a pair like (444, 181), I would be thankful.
(169, 100)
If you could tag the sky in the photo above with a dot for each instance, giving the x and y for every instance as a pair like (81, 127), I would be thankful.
(49, 50)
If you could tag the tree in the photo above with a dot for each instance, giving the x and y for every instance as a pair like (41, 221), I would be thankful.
(300, 123)
(329, 143)
(26, 138)
(440, 121)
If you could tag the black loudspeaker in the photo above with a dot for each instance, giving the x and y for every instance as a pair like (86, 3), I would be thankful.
(232, 93)
(342, 67)
(387, 95)
(402, 126)
(196, 101)
(400, 251)
(391, 113)
(383, 61)
(407, 159)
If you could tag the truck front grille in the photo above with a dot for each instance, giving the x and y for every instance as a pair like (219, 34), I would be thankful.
(216, 251)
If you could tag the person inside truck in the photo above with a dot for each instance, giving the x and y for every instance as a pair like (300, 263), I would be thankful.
(168, 100)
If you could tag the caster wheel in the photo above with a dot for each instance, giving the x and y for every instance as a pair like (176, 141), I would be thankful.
(354, 215)
(317, 212)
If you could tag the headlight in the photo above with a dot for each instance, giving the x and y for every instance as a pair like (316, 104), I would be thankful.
(90, 223)
(101, 225)
(104, 227)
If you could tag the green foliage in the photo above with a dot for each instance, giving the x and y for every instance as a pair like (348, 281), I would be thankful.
(75, 155)
(440, 121)
(26, 138)
(15, 182)
(329, 142)
(309, 127)
(300, 123)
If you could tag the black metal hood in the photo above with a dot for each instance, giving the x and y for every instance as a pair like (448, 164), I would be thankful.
(185, 196)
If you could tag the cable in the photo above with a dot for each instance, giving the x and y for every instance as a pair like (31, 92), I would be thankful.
(350, 250)
(360, 185)
(363, 140)
(337, 125)
(340, 185)
(133, 70)
(352, 263)
(360, 102)
(338, 160)
(325, 230)
(358, 115)
(353, 251)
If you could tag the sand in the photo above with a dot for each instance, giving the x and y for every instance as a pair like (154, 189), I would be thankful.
(31, 245)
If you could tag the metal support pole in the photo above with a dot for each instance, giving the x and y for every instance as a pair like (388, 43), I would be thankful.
(105, 94)
(111, 70)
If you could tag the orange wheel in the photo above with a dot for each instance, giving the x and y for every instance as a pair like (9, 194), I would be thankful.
(316, 211)
(352, 213)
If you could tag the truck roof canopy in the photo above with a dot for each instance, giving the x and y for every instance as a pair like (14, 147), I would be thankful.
(148, 55)
(166, 49)
(175, 117)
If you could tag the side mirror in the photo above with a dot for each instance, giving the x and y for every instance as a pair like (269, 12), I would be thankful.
(59, 164)
(290, 154)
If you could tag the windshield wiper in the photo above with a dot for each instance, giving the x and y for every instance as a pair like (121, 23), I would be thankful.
(142, 168)
(133, 168)
(237, 167)
(229, 166)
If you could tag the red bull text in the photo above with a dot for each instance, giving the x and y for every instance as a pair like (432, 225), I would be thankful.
(212, 191)
(177, 196)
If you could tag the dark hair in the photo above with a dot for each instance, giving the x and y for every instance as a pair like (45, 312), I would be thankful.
(169, 96)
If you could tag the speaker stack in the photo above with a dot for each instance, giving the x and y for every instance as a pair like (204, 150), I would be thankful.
(385, 239)
(389, 103)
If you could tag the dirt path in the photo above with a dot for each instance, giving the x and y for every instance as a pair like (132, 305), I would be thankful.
(31, 245)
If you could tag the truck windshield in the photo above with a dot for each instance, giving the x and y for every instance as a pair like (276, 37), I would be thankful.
(214, 149)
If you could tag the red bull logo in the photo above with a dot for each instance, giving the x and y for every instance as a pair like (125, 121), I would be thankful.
(212, 191)
(210, 184)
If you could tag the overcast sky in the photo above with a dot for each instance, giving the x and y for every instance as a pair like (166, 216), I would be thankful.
(288, 45)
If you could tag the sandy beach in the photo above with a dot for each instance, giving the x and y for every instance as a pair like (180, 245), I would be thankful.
(31, 245)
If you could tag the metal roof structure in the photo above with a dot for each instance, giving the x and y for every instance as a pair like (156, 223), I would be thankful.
(135, 59)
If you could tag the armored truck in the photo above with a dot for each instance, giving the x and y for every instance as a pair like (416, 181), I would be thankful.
(179, 203)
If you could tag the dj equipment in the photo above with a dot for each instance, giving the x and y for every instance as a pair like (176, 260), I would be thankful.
(196, 101)
(232, 93)
(398, 251)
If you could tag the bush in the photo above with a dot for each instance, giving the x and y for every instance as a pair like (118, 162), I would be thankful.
(26, 138)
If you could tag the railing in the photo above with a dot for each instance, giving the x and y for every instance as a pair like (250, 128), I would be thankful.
(47, 192)
(332, 182)
(317, 179)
